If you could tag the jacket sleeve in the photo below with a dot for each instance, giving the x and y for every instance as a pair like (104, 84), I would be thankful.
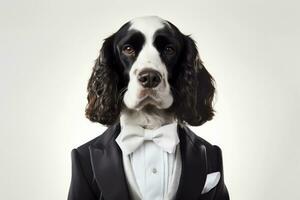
(80, 188)
(221, 192)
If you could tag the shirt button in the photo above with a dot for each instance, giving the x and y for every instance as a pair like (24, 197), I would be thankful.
(154, 170)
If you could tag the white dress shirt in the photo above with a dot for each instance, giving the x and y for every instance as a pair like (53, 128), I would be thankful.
(154, 174)
(151, 172)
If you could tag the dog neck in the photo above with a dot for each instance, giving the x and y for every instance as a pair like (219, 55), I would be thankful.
(148, 117)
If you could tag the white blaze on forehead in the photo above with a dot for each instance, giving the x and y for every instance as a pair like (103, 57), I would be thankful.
(149, 56)
(147, 25)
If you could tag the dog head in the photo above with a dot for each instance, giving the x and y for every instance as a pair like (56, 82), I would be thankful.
(148, 61)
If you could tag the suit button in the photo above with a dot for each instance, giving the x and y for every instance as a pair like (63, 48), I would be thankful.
(154, 170)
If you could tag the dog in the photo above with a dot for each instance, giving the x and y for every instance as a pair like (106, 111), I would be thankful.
(148, 75)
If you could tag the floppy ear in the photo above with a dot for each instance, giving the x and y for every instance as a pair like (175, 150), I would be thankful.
(194, 88)
(103, 92)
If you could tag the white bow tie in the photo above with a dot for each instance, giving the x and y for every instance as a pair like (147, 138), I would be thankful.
(131, 137)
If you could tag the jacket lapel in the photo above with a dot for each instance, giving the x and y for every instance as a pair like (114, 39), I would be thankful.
(106, 159)
(194, 165)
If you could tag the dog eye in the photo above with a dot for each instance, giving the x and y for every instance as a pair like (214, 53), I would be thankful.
(128, 50)
(169, 50)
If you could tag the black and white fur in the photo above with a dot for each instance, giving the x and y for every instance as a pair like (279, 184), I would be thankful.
(178, 86)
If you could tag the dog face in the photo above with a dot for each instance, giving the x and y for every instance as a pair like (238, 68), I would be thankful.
(148, 61)
(148, 51)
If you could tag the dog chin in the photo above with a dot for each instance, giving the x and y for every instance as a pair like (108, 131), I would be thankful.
(147, 98)
(150, 102)
(146, 102)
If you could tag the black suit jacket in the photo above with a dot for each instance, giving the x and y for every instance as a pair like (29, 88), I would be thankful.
(98, 173)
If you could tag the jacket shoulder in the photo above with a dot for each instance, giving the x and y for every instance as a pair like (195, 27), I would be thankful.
(213, 152)
(102, 139)
(82, 153)
(82, 160)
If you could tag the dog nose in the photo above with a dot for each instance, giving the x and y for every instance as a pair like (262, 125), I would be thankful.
(149, 78)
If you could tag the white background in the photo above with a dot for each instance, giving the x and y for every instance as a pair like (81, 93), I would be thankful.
(251, 48)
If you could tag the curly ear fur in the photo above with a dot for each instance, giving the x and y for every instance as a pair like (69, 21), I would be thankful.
(194, 88)
(103, 92)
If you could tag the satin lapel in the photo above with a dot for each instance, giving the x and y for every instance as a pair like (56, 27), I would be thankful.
(106, 158)
(194, 165)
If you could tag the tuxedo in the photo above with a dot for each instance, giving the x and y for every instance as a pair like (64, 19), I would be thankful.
(98, 170)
